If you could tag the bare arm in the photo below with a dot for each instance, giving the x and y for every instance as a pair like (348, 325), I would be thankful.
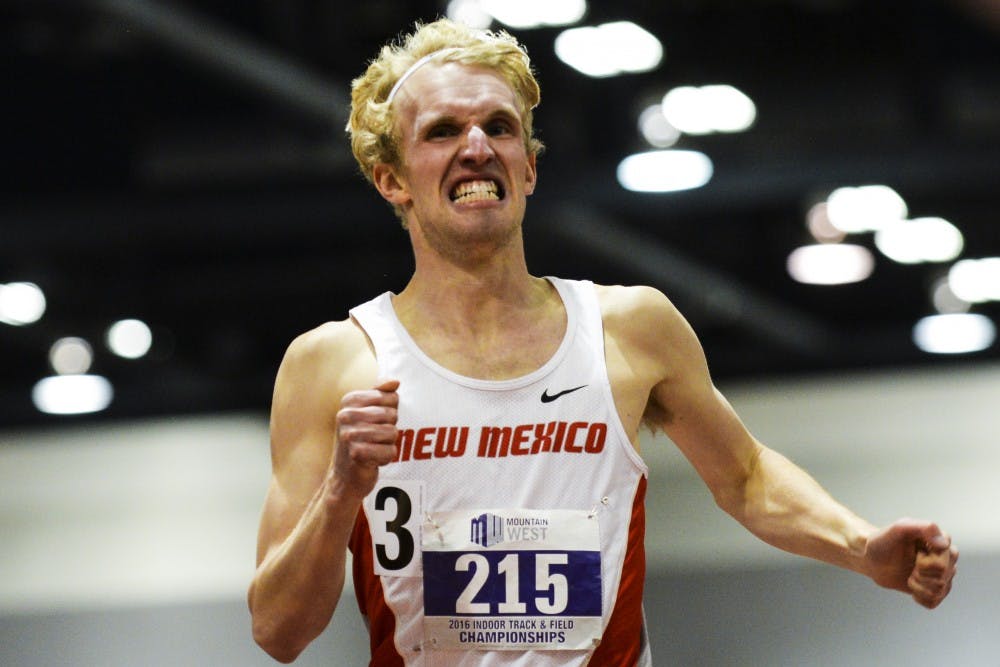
(327, 441)
(772, 497)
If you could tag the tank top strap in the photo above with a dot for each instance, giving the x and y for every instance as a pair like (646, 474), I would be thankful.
(580, 299)
(377, 319)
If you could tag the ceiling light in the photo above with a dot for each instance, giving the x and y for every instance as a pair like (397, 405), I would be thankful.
(609, 49)
(72, 394)
(656, 129)
(818, 224)
(71, 355)
(954, 333)
(535, 13)
(920, 240)
(866, 208)
(830, 264)
(129, 338)
(707, 109)
(664, 171)
(976, 280)
(21, 303)
(945, 300)
(470, 13)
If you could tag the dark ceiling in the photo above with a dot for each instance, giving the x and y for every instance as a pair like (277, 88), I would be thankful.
(185, 163)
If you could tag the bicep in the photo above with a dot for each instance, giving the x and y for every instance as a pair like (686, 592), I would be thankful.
(303, 432)
(696, 416)
(704, 426)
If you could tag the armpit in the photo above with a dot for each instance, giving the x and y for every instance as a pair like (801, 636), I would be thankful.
(655, 416)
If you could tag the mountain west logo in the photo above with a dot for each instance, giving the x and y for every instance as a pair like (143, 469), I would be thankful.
(486, 530)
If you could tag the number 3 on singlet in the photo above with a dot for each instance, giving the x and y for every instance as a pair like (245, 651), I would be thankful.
(395, 515)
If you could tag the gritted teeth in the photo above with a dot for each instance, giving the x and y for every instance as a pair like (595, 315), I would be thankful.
(477, 191)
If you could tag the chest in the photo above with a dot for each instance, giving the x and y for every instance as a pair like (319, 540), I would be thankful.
(498, 354)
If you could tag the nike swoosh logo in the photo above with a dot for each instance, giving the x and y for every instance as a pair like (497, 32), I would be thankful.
(548, 398)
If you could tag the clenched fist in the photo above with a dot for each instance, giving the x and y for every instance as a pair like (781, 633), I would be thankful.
(914, 557)
(366, 435)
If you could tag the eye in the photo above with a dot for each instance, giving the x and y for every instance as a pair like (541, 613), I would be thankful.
(441, 131)
(499, 128)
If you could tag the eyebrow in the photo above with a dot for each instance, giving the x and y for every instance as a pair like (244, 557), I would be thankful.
(501, 113)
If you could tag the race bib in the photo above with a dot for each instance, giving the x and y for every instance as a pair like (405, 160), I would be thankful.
(395, 509)
(512, 579)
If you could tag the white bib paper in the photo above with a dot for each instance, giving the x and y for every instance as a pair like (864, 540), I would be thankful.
(512, 579)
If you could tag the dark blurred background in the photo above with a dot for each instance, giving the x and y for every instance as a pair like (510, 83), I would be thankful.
(185, 163)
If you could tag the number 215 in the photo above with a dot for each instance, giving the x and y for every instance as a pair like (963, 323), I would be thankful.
(554, 585)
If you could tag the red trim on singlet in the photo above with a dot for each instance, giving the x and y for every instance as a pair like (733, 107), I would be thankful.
(621, 643)
(371, 599)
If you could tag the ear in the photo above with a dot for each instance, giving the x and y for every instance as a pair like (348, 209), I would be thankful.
(389, 184)
(530, 174)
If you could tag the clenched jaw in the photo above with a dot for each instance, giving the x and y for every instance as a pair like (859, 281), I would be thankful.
(477, 190)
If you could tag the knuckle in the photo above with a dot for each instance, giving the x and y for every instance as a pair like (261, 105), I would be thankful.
(347, 415)
(352, 398)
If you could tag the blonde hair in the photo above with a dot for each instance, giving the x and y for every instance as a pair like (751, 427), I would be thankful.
(374, 137)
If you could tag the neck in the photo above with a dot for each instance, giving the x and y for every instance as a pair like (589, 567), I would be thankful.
(489, 326)
(484, 317)
(470, 297)
(475, 281)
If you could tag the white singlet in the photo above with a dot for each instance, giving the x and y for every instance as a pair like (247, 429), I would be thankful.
(509, 531)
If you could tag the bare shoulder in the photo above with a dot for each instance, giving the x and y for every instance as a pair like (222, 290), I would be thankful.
(629, 300)
(647, 344)
(642, 318)
(332, 338)
(319, 367)
(336, 353)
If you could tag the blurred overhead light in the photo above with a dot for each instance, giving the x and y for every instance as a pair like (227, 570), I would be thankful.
(21, 303)
(72, 394)
(954, 333)
(818, 224)
(535, 13)
(71, 355)
(664, 171)
(920, 240)
(866, 208)
(129, 338)
(708, 109)
(470, 13)
(945, 300)
(656, 129)
(609, 49)
(830, 264)
(976, 280)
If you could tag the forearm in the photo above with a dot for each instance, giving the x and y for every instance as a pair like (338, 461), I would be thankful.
(784, 506)
(298, 584)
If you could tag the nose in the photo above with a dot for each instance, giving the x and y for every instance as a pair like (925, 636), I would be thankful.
(477, 148)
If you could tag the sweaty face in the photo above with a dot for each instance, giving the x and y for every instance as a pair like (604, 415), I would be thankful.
(465, 171)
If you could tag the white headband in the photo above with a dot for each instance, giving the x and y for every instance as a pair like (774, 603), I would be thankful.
(414, 67)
